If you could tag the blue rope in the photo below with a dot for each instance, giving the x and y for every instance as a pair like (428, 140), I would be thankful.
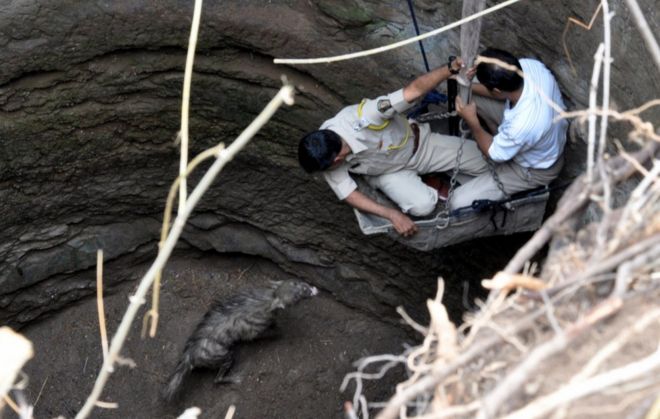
(421, 46)
(431, 97)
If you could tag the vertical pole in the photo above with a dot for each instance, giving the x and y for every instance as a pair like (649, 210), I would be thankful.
(452, 92)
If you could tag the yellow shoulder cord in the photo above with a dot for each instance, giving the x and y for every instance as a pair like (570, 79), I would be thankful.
(372, 127)
(383, 126)
(405, 139)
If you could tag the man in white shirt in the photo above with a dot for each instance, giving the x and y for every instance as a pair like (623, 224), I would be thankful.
(374, 139)
(525, 141)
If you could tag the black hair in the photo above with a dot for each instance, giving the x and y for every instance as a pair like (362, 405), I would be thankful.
(493, 76)
(318, 149)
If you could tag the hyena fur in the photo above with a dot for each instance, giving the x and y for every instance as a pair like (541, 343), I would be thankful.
(241, 317)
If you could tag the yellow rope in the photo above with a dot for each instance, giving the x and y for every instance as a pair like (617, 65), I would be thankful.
(383, 126)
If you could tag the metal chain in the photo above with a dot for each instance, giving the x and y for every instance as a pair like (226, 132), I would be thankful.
(435, 116)
(457, 165)
(496, 177)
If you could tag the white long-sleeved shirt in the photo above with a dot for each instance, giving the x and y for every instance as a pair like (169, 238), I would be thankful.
(528, 133)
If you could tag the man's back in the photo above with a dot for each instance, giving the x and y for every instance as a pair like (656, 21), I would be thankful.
(530, 133)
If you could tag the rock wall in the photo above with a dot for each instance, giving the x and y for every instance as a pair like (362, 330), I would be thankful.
(90, 104)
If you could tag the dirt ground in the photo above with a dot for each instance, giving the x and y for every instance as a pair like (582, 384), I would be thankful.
(294, 375)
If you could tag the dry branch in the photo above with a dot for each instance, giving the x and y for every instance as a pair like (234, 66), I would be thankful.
(575, 199)
(511, 384)
(99, 302)
(645, 30)
(285, 95)
(584, 388)
(185, 100)
(580, 24)
(15, 351)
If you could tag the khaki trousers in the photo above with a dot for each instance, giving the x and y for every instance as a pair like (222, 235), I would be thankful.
(514, 177)
(436, 153)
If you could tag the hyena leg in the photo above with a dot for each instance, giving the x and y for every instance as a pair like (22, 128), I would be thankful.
(223, 368)
(272, 332)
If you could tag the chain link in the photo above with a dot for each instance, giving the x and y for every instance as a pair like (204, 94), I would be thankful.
(435, 116)
(457, 165)
(496, 177)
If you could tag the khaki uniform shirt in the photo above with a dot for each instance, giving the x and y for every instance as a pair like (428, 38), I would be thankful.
(380, 140)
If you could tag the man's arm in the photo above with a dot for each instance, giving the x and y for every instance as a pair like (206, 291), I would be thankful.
(423, 84)
(481, 90)
(469, 114)
(401, 222)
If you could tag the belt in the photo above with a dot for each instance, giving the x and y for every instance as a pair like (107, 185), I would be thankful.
(415, 130)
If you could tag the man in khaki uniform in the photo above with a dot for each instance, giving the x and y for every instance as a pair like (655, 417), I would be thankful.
(373, 138)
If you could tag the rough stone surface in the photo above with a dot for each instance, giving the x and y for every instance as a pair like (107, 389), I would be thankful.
(89, 109)
(296, 372)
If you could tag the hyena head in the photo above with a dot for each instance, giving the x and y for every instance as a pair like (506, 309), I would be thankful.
(291, 291)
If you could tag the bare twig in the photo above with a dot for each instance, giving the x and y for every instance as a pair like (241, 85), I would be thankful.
(99, 302)
(190, 413)
(183, 163)
(412, 323)
(106, 405)
(601, 236)
(452, 411)
(285, 95)
(626, 269)
(392, 360)
(630, 407)
(230, 412)
(15, 351)
(641, 128)
(593, 92)
(573, 200)
(152, 314)
(615, 345)
(583, 388)
(185, 100)
(441, 372)
(654, 412)
(607, 65)
(11, 403)
(40, 391)
(508, 282)
(645, 30)
(610, 261)
(580, 24)
(509, 385)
